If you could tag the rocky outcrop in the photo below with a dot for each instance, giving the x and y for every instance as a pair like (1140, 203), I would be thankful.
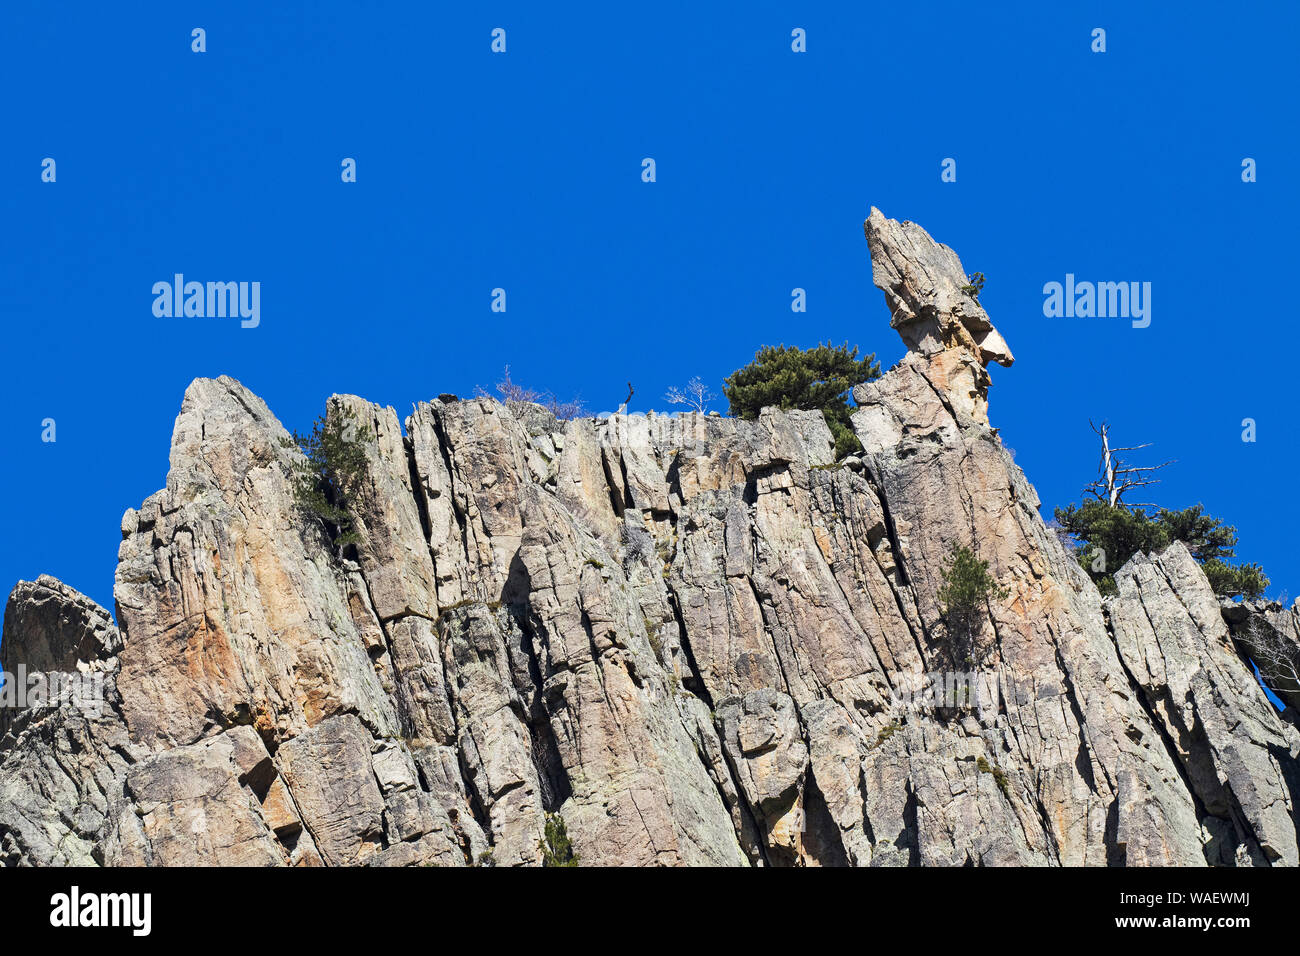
(1237, 757)
(60, 787)
(696, 639)
(48, 626)
(936, 311)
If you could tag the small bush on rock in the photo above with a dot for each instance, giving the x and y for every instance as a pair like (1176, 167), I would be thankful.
(556, 848)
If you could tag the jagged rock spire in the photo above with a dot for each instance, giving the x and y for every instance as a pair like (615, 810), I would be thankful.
(924, 284)
(931, 306)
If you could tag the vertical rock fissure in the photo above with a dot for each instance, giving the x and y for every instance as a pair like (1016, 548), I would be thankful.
(421, 505)
(620, 505)
(901, 578)
(552, 776)
(1154, 719)
(1245, 828)
(445, 449)
(695, 682)
(750, 812)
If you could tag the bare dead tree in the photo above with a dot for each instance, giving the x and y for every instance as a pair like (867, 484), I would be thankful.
(696, 394)
(1277, 658)
(1115, 476)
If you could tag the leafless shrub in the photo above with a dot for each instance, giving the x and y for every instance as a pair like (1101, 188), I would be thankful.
(566, 411)
(1276, 657)
(696, 394)
(1068, 541)
(509, 390)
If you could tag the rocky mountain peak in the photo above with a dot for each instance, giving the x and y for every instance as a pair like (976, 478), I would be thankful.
(694, 639)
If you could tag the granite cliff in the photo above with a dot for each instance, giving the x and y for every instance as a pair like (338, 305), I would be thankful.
(692, 637)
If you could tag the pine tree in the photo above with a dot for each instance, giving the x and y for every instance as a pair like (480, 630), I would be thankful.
(556, 848)
(1105, 537)
(332, 471)
(963, 598)
(816, 379)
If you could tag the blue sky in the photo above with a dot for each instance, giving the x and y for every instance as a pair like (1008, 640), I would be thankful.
(522, 171)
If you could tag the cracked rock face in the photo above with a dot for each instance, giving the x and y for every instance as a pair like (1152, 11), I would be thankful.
(1238, 758)
(695, 638)
(48, 626)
